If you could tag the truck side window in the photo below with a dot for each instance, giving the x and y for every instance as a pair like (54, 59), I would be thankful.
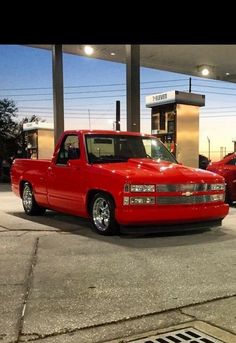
(232, 162)
(69, 150)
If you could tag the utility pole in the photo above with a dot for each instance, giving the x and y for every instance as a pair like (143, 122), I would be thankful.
(234, 141)
(209, 148)
(190, 85)
(117, 115)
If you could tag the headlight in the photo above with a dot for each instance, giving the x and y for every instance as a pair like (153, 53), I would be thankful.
(139, 200)
(142, 200)
(126, 201)
(142, 188)
(217, 187)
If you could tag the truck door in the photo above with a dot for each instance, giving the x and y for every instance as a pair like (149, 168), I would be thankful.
(65, 183)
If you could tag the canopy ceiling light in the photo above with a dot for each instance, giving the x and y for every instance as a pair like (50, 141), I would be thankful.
(88, 50)
(205, 70)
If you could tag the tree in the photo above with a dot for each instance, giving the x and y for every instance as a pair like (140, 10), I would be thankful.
(8, 111)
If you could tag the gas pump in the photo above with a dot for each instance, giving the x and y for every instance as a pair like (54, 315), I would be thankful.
(39, 138)
(175, 121)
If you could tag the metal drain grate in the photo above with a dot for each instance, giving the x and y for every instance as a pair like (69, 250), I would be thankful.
(187, 335)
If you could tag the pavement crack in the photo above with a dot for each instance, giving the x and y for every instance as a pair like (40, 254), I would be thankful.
(28, 287)
(11, 284)
(181, 311)
(29, 230)
(208, 301)
(5, 228)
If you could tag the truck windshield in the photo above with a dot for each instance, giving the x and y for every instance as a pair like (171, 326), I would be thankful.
(119, 148)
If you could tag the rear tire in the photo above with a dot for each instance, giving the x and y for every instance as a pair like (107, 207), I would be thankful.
(102, 212)
(29, 203)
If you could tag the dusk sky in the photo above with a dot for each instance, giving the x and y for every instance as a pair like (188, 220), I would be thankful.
(93, 86)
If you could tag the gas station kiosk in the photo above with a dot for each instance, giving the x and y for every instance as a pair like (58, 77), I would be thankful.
(39, 138)
(175, 121)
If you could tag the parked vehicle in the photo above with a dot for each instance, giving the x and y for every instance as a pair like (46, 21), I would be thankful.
(227, 168)
(119, 178)
(203, 162)
(5, 170)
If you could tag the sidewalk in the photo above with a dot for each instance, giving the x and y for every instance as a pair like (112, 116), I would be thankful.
(61, 282)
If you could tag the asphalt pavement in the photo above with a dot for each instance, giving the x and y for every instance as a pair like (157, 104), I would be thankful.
(61, 282)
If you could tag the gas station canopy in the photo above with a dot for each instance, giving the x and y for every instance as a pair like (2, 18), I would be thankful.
(212, 61)
(186, 59)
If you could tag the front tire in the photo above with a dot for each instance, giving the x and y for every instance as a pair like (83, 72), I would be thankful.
(102, 212)
(29, 203)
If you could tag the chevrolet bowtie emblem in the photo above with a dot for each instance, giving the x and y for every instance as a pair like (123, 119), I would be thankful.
(187, 194)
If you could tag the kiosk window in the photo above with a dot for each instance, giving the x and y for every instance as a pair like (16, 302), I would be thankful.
(171, 126)
(162, 121)
(69, 149)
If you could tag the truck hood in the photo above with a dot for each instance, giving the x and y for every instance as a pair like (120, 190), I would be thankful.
(149, 170)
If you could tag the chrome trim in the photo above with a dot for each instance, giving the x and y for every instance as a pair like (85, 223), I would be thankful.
(192, 199)
(187, 187)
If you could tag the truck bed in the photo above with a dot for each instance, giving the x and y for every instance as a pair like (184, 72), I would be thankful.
(34, 170)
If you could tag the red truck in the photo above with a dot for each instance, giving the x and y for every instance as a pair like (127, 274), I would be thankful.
(227, 168)
(119, 179)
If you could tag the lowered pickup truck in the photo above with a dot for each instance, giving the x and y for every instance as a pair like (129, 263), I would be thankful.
(119, 179)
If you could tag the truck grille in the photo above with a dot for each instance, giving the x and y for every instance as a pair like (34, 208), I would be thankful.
(193, 199)
(185, 187)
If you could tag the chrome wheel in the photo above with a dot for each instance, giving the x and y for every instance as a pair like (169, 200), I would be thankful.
(101, 214)
(27, 198)
(29, 203)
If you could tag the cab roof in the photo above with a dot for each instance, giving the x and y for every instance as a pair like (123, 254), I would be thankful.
(101, 132)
